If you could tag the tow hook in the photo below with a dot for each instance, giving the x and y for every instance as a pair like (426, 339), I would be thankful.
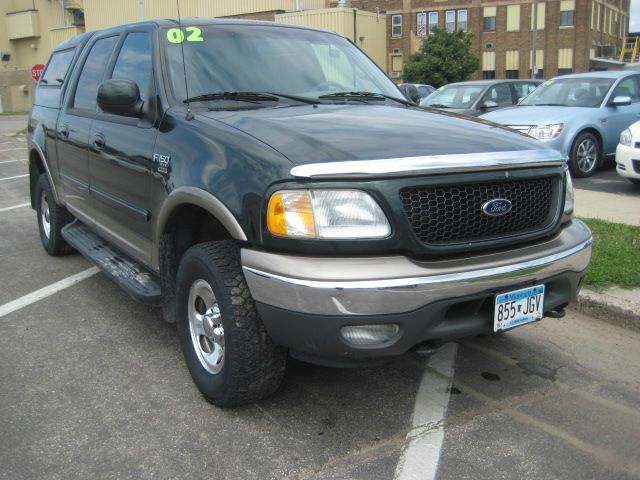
(425, 349)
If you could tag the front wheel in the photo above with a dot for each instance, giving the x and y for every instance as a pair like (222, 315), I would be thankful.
(585, 155)
(228, 352)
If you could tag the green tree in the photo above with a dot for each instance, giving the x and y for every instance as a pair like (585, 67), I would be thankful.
(444, 57)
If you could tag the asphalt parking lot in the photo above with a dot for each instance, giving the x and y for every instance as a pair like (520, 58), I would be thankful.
(93, 385)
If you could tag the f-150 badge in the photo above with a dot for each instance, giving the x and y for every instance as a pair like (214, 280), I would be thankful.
(163, 162)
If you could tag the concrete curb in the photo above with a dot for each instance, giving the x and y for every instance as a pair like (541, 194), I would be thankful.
(616, 306)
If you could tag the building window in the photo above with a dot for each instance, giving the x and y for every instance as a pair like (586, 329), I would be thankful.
(567, 13)
(489, 14)
(541, 15)
(450, 20)
(462, 20)
(565, 71)
(396, 66)
(421, 21)
(396, 25)
(433, 21)
(513, 18)
(488, 74)
(512, 74)
(567, 19)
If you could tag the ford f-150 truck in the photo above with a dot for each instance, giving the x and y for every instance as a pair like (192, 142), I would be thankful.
(272, 190)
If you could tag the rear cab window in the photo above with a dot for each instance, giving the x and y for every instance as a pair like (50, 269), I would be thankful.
(49, 88)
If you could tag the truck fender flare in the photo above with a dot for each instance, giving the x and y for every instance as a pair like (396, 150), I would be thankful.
(34, 146)
(203, 199)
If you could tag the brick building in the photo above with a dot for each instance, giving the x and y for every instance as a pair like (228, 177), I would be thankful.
(573, 35)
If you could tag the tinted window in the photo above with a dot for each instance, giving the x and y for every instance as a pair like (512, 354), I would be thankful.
(134, 61)
(92, 73)
(500, 93)
(57, 68)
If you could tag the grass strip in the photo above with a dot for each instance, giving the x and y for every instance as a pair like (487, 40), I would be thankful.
(616, 255)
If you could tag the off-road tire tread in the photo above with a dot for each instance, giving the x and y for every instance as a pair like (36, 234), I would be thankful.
(259, 364)
(58, 218)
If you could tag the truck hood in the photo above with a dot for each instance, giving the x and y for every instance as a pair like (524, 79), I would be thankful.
(321, 133)
(536, 115)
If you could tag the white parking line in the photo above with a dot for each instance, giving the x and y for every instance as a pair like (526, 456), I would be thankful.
(420, 457)
(6, 209)
(12, 161)
(16, 176)
(45, 292)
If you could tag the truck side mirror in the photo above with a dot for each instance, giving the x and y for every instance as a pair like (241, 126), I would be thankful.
(121, 97)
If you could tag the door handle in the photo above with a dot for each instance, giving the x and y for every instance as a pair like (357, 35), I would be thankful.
(64, 131)
(99, 141)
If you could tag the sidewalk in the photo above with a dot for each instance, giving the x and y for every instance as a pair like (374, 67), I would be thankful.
(614, 305)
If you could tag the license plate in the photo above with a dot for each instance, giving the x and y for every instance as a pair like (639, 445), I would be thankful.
(516, 308)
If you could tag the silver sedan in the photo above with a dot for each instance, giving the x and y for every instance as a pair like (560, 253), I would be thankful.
(580, 115)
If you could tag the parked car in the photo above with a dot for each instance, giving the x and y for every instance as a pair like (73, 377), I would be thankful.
(416, 92)
(628, 154)
(581, 115)
(270, 188)
(481, 96)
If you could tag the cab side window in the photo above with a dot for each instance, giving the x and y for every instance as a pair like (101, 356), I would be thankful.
(628, 88)
(92, 73)
(135, 62)
(57, 68)
(501, 94)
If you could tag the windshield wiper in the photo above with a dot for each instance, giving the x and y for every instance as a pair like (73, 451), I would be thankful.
(367, 96)
(252, 97)
(438, 105)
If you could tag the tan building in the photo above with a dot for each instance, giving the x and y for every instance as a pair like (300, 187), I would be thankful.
(572, 35)
(29, 29)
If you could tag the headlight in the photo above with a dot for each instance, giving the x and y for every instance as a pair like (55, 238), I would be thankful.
(546, 132)
(625, 138)
(326, 214)
(568, 187)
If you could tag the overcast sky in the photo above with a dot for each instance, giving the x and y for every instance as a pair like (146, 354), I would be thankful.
(634, 16)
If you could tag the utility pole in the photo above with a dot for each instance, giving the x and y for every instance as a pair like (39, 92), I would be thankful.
(141, 9)
(534, 37)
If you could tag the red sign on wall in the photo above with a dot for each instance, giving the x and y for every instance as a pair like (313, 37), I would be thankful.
(36, 71)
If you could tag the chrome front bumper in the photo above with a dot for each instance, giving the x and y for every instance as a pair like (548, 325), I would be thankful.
(396, 284)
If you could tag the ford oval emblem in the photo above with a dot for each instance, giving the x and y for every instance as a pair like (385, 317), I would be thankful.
(497, 207)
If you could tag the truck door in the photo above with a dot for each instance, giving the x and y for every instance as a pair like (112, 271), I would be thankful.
(74, 125)
(121, 154)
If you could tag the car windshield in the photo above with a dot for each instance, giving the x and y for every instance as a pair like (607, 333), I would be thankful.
(453, 96)
(257, 58)
(570, 92)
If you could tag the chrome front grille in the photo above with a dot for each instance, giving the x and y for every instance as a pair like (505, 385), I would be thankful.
(453, 214)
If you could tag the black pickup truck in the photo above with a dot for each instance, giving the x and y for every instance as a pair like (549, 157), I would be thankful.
(272, 190)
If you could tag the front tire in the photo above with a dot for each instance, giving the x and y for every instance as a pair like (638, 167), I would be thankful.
(228, 352)
(51, 219)
(585, 155)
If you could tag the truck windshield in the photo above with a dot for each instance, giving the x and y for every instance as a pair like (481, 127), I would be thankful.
(260, 58)
(570, 92)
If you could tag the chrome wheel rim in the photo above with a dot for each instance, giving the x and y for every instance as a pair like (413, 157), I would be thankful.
(45, 215)
(205, 325)
(586, 153)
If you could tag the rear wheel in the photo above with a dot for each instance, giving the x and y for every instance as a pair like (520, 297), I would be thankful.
(51, 219)
(635, 181)
(585, 155)
(228, 352)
